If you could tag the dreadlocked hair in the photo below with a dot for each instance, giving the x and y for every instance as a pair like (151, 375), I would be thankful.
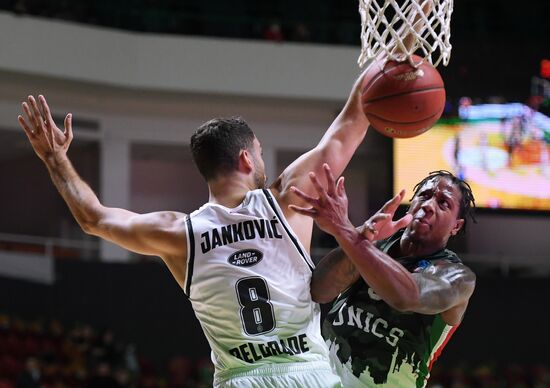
(467, 200)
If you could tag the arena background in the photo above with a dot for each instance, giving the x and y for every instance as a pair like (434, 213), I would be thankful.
(139, 77)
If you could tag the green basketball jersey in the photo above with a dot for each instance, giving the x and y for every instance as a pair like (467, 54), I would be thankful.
(372, 344)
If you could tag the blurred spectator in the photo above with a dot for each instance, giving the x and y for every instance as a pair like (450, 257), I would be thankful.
(273, 32)
(104, 349)
(300, 33)
(180, 370)
(541, 376)
(131, 361)
(103, 377)
(123, 378)
(70, 359)
(31, 376)
(205, 372)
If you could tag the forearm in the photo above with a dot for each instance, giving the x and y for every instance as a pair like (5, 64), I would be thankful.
(345, 134)
(335, 148)
(81, 200)
(342, 139)
(334, 273)
(389, 279)
(351, 124)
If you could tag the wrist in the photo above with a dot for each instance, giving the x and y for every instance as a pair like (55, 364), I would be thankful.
(349, 234)
(53, 160)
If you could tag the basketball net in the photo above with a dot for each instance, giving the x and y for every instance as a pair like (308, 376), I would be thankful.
(425, 24)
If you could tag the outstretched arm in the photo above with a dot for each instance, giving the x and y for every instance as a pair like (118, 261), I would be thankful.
(444, 288)
(160, 234)
(336, 148)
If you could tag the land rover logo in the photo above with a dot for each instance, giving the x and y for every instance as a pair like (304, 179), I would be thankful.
(245, 258)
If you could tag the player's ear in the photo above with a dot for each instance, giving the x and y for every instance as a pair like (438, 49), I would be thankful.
(246, 163)
(458, 225)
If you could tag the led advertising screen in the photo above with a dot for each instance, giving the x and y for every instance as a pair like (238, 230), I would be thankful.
(501, 150)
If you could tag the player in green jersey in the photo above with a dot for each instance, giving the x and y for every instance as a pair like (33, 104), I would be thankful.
(400, 294)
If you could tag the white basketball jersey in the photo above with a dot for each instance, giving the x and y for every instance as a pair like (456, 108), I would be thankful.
(248, 280)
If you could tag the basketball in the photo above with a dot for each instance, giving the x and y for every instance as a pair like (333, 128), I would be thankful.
(402, 101)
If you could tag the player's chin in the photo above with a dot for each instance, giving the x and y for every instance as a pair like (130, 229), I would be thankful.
(420, 233)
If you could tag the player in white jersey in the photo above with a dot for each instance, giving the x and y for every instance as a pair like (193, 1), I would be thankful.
(246, 264)
(251, 295)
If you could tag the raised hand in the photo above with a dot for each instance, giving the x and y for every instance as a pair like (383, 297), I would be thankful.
(330, 209)
(47, 140)
(381, 225)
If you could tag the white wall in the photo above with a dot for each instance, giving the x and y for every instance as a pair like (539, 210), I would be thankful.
(177, 63)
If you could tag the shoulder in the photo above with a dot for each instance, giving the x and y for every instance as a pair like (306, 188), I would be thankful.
(454, 272)
(450, 256)
(449, 261)
(446, 269)
(445, 262)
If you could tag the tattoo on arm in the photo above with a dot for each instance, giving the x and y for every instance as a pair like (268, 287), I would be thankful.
(443, 287)
(333, 275)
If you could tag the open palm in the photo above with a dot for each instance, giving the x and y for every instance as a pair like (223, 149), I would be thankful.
(47, 140)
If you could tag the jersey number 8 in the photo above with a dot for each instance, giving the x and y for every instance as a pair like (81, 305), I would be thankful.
(256, 309)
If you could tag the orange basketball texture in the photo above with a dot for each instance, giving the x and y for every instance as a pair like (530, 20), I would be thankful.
(402, 101)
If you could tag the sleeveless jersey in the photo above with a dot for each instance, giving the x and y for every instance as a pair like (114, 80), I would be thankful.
(372, 344)
(248, 279)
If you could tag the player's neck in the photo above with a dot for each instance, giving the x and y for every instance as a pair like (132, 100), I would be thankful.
(412, 248)
(229, 190)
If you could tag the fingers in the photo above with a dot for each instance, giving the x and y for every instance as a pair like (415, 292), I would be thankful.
(69, 128)
(38, 120)
(310, 212)
(315, 181)
(46, 120)
(379, 217)
(340, 189)
(303, 195)
(30, 118)
(46, 110)
(404, 221)
(25, 126)
(330, 179)
(370, 224)
(392, 205)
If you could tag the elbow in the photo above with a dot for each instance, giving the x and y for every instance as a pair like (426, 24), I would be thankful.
(320, 295)
(88, 227)
(402, 305)
(90, 221)
(91, 224)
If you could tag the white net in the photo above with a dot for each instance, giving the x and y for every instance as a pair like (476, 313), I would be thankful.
(397, 29)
